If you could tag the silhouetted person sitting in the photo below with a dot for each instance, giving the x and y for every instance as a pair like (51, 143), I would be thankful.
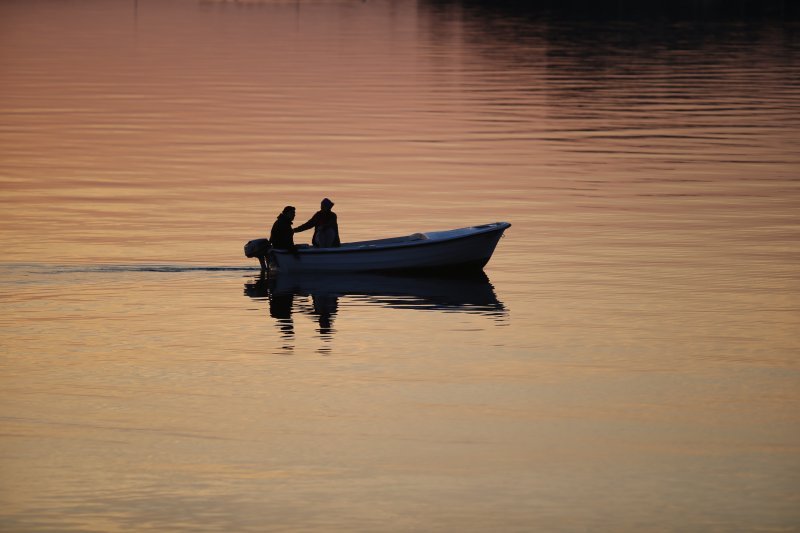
(326, 228)
(282, 236)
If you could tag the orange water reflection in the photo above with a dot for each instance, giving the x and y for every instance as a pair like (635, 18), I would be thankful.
(317, 296)
(646, 357)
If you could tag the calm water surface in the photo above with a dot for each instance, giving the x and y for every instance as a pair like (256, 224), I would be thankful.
(628, 362)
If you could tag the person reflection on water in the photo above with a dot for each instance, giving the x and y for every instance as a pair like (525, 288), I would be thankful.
(325, 306)
(326, 227)
(281, 304)
(280, 308)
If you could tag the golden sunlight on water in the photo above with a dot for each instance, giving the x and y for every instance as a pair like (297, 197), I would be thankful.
(629, 361)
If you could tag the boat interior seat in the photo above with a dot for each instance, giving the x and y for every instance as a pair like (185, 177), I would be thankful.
(381, 242)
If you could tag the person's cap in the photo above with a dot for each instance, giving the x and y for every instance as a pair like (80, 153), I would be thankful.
(326, 202)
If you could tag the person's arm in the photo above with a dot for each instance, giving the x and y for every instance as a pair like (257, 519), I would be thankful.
(308, 225)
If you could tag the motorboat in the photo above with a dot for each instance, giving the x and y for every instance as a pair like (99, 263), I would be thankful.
(462, 249)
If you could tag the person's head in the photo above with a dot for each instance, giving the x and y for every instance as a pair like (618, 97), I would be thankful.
(326, 204)
(288, 212)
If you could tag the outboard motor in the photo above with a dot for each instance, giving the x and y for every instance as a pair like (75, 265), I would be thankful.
(258, 248)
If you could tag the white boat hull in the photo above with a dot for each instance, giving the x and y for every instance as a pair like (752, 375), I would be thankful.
(460, 249)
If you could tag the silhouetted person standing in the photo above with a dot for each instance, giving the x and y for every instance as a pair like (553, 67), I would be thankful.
(326, 227)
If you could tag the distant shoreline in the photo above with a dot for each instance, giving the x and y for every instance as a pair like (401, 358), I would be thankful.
(725, 9)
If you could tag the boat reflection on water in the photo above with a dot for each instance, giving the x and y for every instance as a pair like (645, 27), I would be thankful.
(317, 296)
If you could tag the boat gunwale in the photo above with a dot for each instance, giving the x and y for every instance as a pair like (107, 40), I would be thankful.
(483, 229)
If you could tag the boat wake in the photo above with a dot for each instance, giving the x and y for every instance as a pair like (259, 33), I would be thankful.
(169, 268)
(114, 269)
